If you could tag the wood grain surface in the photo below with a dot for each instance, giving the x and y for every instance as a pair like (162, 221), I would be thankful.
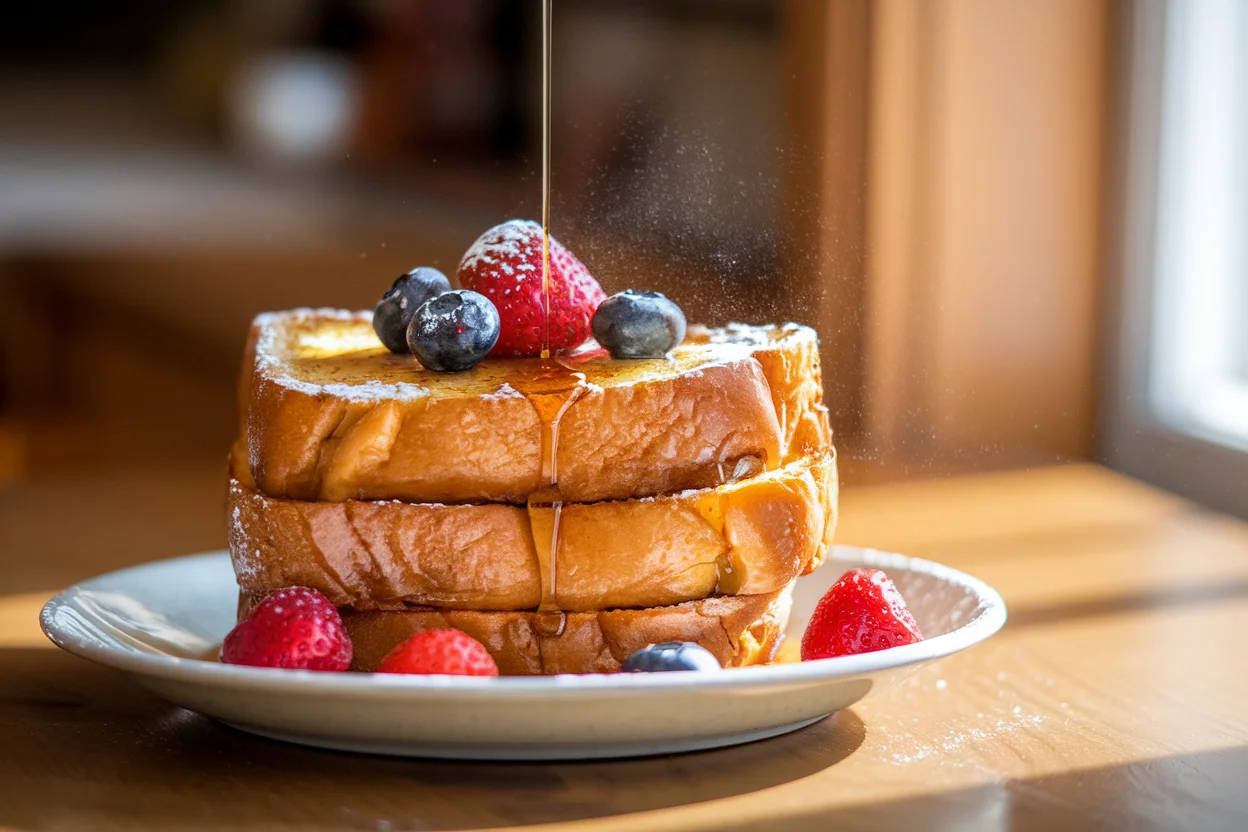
(1114, 698)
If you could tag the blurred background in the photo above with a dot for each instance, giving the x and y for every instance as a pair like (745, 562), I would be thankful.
(1018, 224)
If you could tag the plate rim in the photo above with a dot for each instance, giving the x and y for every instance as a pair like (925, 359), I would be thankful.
(990, 617)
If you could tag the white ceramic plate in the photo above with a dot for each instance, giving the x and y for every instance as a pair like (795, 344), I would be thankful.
(161, 623)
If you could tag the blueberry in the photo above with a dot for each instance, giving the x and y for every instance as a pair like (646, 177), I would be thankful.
(638, 325)
(397, 306)
(454, 331)
(671, 655)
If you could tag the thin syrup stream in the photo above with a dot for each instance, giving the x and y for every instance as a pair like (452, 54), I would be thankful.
(548, 600)
(546, 33)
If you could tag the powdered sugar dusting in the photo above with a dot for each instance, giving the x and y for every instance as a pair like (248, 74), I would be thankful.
(246, 557)
(304, 314)
(279, 332)
(504, 244)
(756, 336)
(505, 391)
(287, 341)
(271, 352)
(993, 731)
(366, 391)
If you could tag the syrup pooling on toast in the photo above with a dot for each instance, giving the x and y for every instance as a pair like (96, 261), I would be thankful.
(340, 353)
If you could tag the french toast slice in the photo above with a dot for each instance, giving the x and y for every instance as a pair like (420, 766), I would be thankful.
(739, 630)
(329, 414)
(747, 537)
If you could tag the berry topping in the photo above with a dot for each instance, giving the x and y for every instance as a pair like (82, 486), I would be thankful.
(397, 306)
(862, 612)
(671, 655)
(454, 331)
(451, 652)
(505, 265)
(296, 629)
(638, 325)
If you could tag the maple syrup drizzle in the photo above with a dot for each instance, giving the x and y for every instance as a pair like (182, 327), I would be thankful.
(551, 403)
(575, 393)
(552, 390)
(544, 517)
(546, 37)
(554, 549)
(550, 624)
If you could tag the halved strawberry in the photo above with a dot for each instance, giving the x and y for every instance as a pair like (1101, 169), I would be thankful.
(861, 613)
(505, 265)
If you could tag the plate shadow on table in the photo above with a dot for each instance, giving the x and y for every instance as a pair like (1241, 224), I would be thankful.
(1203, 791)
(108, 750)
(1125, 603)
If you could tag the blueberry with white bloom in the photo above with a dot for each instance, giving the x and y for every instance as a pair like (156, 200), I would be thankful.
(454, 331)
(638, 325)
(394, 311)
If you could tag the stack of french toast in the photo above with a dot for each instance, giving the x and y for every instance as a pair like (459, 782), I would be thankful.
(564, 511)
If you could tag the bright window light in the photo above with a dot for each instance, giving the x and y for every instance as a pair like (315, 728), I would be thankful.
(1199, 349)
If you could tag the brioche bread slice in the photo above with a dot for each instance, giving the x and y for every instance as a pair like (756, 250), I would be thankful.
(747, 537)
(741, 630)
(331, 415)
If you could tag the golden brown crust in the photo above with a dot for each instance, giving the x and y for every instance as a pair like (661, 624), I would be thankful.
(740, 631)
(744, 538)
(354, 422)
(321, 447)
(667, 435)
(796, 382)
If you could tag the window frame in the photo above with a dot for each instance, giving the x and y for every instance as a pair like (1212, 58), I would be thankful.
(1135, 438)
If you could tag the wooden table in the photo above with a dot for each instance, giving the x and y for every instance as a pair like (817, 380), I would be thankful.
(1116, 697)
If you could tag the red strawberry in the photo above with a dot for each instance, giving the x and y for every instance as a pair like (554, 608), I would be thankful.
(296, 628)
(862, 612)
(440, 651)
(505, 265)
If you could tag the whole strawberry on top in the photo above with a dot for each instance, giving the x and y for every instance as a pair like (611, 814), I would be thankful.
(296, 628)
(505, 265)
(861, 613)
